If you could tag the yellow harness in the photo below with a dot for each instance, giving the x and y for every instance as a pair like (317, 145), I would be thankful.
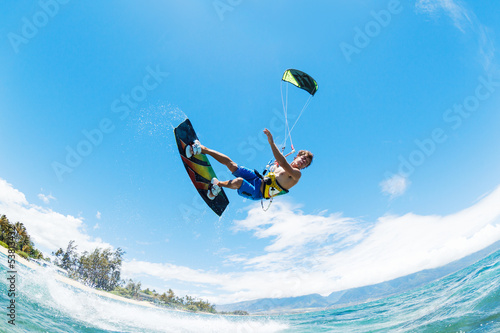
(271, 186)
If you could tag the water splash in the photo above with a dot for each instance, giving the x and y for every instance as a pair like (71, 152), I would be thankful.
(158, 120)
(48, 305)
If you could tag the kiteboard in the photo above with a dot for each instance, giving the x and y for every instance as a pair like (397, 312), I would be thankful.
(198, 167)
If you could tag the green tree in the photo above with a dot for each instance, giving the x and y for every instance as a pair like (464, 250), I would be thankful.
(133, 288)
(170, 296)
(8, 232)
(35, 253)
(16, 235)
(68, 259)
(5, 229)
(101, 268)
(20, 234)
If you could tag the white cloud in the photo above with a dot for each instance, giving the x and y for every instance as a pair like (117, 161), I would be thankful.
(464, 20)
(50, 230)
(168, 272)
(46, 198)
(98, 215)
(395, 185)
(296, 235)
(456, 12)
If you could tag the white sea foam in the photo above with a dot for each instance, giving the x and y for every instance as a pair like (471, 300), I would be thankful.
(76, 306)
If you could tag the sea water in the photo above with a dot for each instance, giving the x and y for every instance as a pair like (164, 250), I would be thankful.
(466, 301)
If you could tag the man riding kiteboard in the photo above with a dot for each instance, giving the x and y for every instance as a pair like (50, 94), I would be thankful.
(250, 183)
(278, 177)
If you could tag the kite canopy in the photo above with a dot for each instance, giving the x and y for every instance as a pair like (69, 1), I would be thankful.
(300, 79)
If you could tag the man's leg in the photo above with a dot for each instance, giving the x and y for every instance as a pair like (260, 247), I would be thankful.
(232, 184)
(221, 158)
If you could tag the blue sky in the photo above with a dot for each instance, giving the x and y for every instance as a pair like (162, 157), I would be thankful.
(403, 128)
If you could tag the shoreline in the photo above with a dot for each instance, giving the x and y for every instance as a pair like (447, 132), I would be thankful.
(79, 285)
(76, 284)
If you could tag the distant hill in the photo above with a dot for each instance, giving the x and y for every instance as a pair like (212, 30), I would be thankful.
(356, 295)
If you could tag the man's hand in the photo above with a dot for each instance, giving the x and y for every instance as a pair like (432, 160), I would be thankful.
(269, 136)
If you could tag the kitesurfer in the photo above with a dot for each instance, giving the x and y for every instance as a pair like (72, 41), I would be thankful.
(251, 184)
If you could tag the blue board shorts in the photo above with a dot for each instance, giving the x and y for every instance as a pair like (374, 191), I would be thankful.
(250, 188)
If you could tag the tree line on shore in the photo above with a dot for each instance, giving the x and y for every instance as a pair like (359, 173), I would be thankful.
(100, 269)
(16, 237)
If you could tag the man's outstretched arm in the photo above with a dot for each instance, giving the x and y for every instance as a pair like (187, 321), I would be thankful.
(293, 172)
